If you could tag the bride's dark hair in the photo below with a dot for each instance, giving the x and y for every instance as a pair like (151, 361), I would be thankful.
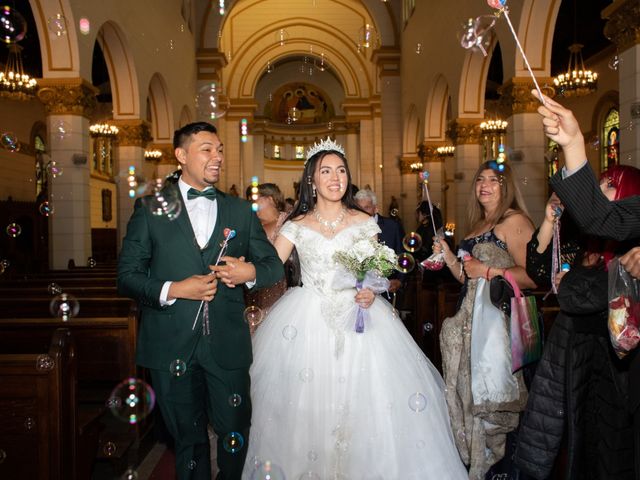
(306, 200)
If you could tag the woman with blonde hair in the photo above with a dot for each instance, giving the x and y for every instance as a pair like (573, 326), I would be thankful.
(483, 396)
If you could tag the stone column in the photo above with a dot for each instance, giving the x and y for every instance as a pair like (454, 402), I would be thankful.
(167, 163)
(235, 155)
(133, 137)
(526, 143)
(623, 28)
(466, 136)
(390, 139)
(68, 104)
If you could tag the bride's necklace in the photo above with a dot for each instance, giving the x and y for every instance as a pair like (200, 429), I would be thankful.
(331, 226)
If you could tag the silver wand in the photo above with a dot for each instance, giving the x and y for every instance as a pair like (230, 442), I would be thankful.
(204, 306)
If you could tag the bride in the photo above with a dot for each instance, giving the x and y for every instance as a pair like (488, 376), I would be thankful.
(329, 402)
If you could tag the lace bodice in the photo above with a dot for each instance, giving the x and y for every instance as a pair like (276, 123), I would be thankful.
(316, 251)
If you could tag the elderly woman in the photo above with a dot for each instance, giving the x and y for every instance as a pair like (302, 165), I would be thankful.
(485, 398)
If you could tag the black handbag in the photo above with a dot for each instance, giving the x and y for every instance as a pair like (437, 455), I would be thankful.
(500, 292)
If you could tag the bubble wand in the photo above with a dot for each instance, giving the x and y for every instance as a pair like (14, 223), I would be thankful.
(435, 261)
(501, 6)
(204, 306)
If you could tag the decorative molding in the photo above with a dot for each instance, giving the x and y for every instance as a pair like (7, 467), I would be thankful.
(407, 162)
(623, 23)
(465, 132)
(516, 94)
(133, 133)
(67, 96)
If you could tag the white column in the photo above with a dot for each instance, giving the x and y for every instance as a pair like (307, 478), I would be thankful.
(468, 159)
(629, 82)
(527, 139)
(128, 156)
(70, 225)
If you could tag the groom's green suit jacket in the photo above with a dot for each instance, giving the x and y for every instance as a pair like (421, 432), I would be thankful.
(156, 249)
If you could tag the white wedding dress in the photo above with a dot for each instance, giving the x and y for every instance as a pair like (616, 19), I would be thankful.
(330, 403)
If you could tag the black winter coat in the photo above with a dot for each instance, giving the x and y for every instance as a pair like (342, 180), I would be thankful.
(579, 383)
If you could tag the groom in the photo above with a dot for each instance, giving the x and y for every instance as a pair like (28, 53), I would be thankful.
(166, 265)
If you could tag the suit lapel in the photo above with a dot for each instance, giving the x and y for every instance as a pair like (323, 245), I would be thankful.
(183, 221)
(210, 252)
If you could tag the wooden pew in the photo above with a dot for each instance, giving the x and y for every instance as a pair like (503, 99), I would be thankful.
(40, 432)
(66, 282)
(39, 307)
(28, 291)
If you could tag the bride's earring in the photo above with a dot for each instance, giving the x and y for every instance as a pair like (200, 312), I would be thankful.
(308, 179)
(313, 187)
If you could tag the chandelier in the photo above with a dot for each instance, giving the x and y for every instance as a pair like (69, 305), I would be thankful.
(103, 130)
(577, 80)
(494, 126)
(14, 83)
(154, 154)
(445, 151)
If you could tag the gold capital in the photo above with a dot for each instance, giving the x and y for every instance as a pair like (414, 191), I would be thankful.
(465, 131)
(623, 23)
(133, 133)
(67, 96)
(516, 93)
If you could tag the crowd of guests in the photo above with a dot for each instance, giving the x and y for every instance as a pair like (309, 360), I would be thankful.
(575, 410)
(576, 397)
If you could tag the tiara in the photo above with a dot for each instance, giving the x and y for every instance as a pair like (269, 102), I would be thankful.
(324, 145)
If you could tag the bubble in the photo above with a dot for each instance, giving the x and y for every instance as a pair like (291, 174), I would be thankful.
(207, 102)
(253, 315)
(525, 181)
(3, 456)
(406, 263)
(53, 169)
(84, 26)
(44, 363)
(163, 203)
(235, 399)
(9, 141)
(418, 48)
(417, 402)
(614, 62)
(13, 230)
(427, 327)
(394, 212)
(191, 465)
(267, 471)
(233, 442)
(54, 289)
(178, 368)
(64, 306)
(306, 375)
(289, 332)
(60, 129)
(57, 25)
(130, 474)
(594, 142)
(4, 263)
(132, 400)
(412, 242)
(109, 449)
(309, 476)
(13, 26)
(46, 209)
(312, 455)
(29, 423)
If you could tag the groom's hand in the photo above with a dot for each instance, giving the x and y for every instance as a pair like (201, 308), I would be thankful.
(196, 287)
(235, 271)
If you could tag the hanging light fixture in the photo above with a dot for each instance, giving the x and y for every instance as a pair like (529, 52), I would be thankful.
(14, 83)
(577, 80)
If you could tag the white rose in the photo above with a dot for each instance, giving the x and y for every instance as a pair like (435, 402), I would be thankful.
(362, 250)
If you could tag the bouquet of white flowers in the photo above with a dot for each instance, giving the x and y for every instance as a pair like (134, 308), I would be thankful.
(366, 264)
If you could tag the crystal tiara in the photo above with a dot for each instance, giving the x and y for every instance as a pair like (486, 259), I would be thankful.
(323, 145)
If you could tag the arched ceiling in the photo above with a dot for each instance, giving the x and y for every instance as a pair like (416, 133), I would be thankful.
(249, 31)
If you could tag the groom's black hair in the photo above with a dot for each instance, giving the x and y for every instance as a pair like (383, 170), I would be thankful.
(182, 135)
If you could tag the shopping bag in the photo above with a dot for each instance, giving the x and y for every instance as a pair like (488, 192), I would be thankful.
(624, 309)
(526, 332)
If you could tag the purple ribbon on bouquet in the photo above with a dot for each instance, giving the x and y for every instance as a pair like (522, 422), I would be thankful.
(361, 314)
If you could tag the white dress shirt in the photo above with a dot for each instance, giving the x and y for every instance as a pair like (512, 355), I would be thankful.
(203, 213)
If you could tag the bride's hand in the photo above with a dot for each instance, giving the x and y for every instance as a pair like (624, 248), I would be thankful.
(365, 298)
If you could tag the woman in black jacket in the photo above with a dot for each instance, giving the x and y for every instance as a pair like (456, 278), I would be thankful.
(579, 392)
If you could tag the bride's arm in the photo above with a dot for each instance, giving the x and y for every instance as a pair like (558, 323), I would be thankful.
(284, 247)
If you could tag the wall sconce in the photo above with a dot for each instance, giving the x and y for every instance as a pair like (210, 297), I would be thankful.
(153, 155)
